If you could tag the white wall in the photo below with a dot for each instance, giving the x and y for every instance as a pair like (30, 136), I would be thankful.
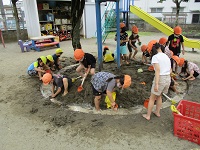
(89, 19)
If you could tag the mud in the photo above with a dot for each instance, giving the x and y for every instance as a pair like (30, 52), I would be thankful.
(130, 97)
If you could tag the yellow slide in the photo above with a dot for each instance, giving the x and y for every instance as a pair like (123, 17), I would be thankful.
(161, 26)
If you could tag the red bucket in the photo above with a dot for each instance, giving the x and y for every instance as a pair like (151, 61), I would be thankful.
(146, 102)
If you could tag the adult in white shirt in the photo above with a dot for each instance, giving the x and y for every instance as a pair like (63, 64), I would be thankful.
(162, 79)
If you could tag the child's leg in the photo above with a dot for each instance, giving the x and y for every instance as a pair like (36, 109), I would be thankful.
(97, 102)
(79, 70)
(130, 54)
(126, 58)
(158, 105)
(150, 106)
(65, 83)
(136, 50)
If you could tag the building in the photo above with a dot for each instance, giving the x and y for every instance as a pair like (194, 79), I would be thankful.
(166, 11)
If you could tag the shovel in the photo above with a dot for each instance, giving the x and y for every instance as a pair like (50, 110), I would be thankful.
(80, 88)
(174, 109)
(74, 79)
(172, 101)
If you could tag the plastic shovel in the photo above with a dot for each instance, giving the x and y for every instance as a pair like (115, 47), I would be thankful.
(174, 109)
(80, 88)
(74, 79)
(171, 100)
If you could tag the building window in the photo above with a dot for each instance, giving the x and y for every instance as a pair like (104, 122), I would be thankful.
(156, 10)
(180, 10)
(197, 1)
(196, 18)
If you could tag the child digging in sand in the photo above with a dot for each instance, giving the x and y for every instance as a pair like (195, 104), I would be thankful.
(61, 82)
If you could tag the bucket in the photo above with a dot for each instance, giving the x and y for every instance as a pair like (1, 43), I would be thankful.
(146, 102)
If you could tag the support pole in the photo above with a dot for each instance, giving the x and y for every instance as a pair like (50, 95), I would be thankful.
(99, 35)
(118, 34)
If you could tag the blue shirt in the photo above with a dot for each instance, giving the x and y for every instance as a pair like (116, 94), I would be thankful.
(33, 65)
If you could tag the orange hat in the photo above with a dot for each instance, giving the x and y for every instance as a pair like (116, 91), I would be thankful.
(105, 47)
(163, 40)
(151, 68)
(177, 30)
(78, 54)
(127, 81)
(176, 58)
(46, 78)
(171, 53)
(134, 29)
(150, 45)
(122, 25)
(144, 48)
(181, 62)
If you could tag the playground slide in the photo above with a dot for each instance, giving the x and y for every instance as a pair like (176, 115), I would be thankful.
(161, 26)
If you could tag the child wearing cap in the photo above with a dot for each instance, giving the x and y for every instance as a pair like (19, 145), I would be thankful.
(175, 41)
(50, 62)
(60, 82)
(56, 59)
(132, 42)
(145, 54)
(162, 79)
(123, 40)
(108, 56)
(87, 62)
(38, 67)
(189, 69)
(104, 83)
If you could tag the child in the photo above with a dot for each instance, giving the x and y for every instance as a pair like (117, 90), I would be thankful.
(123, 40)
(61, 82)
(145, 54)
(132, 41)
(175, 61)
(162, 79)
(105, 83)
(173, 84)
(87, 62)
(175, 41)
(38, 67)
(56, 58)
(190, 69)
(50, 62)
(108, 56)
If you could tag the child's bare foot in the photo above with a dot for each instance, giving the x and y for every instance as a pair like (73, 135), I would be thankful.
(65, 93)
(191, 78)
(145, 116)
(156, 114)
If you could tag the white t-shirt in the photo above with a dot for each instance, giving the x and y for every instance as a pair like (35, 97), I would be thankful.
(164, 62)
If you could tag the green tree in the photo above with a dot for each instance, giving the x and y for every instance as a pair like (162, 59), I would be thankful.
(77, 7)
(178, 4)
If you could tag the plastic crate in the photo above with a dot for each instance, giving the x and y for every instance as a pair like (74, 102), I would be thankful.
(187, 125)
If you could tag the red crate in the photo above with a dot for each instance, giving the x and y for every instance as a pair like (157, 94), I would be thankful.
(187, 126)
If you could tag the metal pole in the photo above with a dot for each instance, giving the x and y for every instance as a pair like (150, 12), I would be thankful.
(118, 34)
(99, 35)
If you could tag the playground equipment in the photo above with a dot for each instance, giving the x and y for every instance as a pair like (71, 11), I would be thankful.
(99, 32)
(161, 26)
